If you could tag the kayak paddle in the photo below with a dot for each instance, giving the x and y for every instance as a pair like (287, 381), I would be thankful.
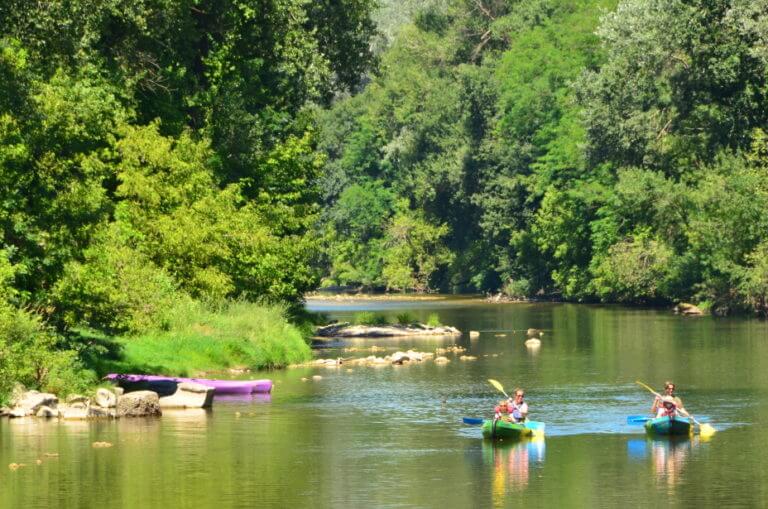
(472, 420)
(498, 387)
(705, 429)
(637, 419)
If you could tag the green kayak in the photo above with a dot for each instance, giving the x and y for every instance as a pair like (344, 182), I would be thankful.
(668, 426)
(502, 429)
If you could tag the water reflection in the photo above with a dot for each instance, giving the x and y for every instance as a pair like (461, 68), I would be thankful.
(243, 398)
(511, 465)
(669, 456)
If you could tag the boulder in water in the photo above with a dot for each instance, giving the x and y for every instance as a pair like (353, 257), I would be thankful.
(139, 404)
(29, 402)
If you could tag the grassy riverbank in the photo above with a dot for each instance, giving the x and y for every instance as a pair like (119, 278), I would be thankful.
(202, 338)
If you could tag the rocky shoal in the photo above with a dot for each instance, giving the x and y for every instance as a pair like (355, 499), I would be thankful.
(347, 330)
(106, 403)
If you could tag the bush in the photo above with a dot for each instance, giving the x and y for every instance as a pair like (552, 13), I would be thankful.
(116, 289)
(433, 320)
(30, 354)
(636, 268)
(204, 337)
(517, 289)
(370, 318)
(405, 318)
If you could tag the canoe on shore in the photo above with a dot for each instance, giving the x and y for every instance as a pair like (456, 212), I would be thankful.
(669, 426)
(220, 386)
(494, 429)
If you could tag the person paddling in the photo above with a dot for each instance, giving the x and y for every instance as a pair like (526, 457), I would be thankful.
(667, 408)
(518, 408)
(661, 408)
(669, 391)
(502, 411)
(512, 409)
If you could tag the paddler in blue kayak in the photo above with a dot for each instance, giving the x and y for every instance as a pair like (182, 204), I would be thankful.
(669, 392)
(668, 407)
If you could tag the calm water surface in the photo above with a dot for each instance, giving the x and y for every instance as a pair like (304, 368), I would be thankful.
(393, 436)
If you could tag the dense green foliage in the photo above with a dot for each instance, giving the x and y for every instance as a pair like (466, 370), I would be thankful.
(157, 154)
(588, 150)
(165, 154)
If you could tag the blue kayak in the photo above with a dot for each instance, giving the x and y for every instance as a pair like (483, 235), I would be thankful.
(669, 426)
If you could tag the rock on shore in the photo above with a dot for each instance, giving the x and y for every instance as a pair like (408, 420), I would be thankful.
(687, 309)
(106, 404)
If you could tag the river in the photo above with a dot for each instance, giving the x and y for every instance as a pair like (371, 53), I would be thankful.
(393, 436)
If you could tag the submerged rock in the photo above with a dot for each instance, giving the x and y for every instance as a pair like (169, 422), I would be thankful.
(139, 404)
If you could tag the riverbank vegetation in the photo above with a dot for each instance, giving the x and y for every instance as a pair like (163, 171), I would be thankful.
(201, 338)
(592, 150)
(163, 154)
(158, 156)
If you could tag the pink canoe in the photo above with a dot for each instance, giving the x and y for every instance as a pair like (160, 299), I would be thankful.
(221, 386)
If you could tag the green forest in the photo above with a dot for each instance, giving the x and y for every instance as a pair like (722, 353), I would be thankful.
(177, 174)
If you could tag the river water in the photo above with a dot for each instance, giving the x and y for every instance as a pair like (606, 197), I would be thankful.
(393, 436)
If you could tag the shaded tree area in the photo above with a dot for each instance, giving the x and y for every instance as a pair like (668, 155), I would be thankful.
(158, 152)
(590, 150)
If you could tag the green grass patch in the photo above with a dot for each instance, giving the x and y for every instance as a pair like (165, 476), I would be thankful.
(208, 338)
(406, 318)
(369, 318)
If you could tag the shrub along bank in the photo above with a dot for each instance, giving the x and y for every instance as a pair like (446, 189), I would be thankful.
(203, 338)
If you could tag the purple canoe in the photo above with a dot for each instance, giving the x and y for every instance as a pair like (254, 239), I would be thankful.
(221, 386)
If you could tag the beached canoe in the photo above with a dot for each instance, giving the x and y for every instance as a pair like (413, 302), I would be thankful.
(669, 426)
(495, 429)
(220, 386)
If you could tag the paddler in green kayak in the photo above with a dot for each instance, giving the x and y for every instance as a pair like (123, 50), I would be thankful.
(513, 409)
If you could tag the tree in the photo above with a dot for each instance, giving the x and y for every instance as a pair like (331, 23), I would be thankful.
(414, 251)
